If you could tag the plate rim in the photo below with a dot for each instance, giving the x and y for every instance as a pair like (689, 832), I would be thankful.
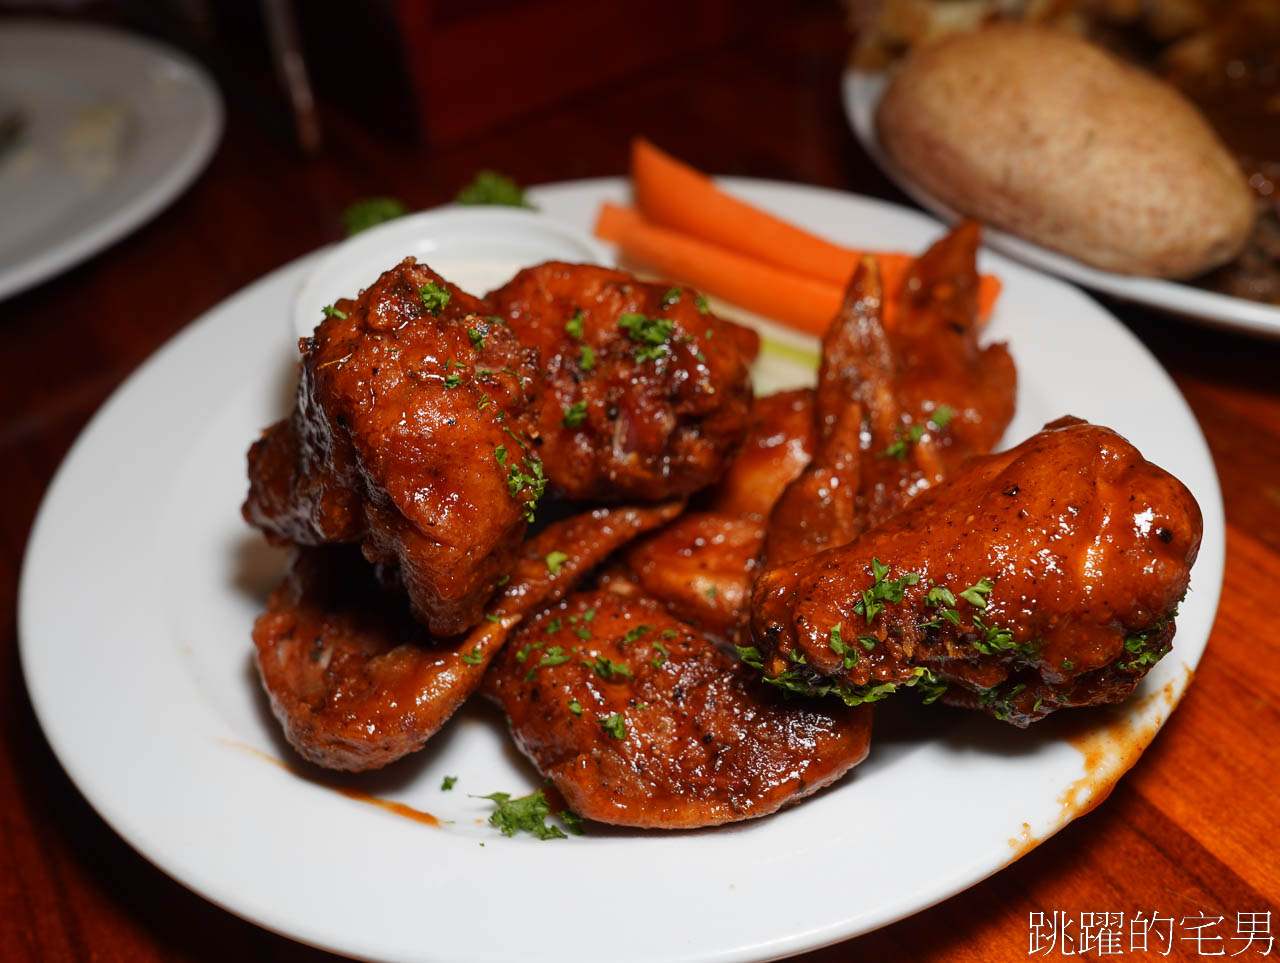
(791, 942)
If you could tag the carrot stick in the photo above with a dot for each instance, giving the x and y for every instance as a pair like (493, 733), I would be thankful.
(674, 195)
(793, 299)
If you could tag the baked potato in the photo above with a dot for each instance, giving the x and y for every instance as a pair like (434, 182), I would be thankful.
(1051, 138)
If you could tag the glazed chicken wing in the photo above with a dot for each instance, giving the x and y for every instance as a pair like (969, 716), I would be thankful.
(408, 438)
(897, 410)
(1041, 577)
(641, 721)
(357, 682)
(646, 392)
(702, 565)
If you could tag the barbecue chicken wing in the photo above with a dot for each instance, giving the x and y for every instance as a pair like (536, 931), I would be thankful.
(896, 411)
(1041, 577)
(408, 438)
(646, 393)
(702, 565)
(641, 721)
(357, 682)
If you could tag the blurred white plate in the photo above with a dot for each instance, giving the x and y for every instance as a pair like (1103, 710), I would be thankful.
(141, 583)
(115, 126)
(477, 248)
(861, 91)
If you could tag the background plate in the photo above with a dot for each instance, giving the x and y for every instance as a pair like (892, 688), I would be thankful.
(141, 583)
(861, 92)
(116, 126)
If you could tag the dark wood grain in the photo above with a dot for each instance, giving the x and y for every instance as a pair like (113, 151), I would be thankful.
(1192, 827)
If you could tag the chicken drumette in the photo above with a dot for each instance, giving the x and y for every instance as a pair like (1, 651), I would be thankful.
(1041, 577)
(639, 720)
(646, 392)
(409, 438)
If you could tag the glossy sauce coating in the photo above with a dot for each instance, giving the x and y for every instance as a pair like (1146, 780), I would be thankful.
(1087, 547)
(630, 411)
(407, 438)
(703, 564)
(357, 682)
(896, 411)
(668, 732)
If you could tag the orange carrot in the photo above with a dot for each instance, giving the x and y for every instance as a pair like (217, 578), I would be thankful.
(793, 299)
(674, 195)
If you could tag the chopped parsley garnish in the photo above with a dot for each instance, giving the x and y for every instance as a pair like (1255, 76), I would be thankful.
(608, 670)
(1068, 664)
(582, 632)
(574, 415)
(651, 334)
(525, 814)
(484, 402)
(883, 590)
(555, 655)
(999, 698)
(331, 312)
(452, 381)
(976, 595)
(701, 302)
(668, 633)
(662, 656)
(476, 336)
(573, 327)
(901, 444)
(434, 297)
(614, 725)
(555, 624)
(711, 592)
(807, 682)
(589, 615)
(521, 475)
(587, 358)
(473, 657)
(555, 561)
(994, 638)
(634, 635)
(939, 595)
(449, 783)
(841, 648)
(490, 187)
(941, 416)
(868, 642)
(575, 707)
(370, 212)
(672, 296)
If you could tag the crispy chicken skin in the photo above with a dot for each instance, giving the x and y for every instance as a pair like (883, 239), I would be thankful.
(406, 438)
(896, 411)
(646, 396)
(1037, 578)
(357, 682)
(702, 565)
(639, 720)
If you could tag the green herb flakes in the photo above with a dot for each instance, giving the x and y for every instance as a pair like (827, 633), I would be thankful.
(434, 297)
(614, 726)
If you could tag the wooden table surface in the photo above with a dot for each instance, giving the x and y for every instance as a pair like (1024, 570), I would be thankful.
(1191, 829)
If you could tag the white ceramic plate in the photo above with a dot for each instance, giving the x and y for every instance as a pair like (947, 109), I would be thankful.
(141, 583)
(116, 126)
(861, 91)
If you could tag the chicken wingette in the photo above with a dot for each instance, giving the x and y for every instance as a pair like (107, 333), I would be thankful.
(1041, 577)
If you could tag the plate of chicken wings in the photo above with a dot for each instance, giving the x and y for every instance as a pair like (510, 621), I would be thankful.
(586, 595)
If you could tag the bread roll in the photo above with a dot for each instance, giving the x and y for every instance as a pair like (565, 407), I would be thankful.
(1051, 138)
